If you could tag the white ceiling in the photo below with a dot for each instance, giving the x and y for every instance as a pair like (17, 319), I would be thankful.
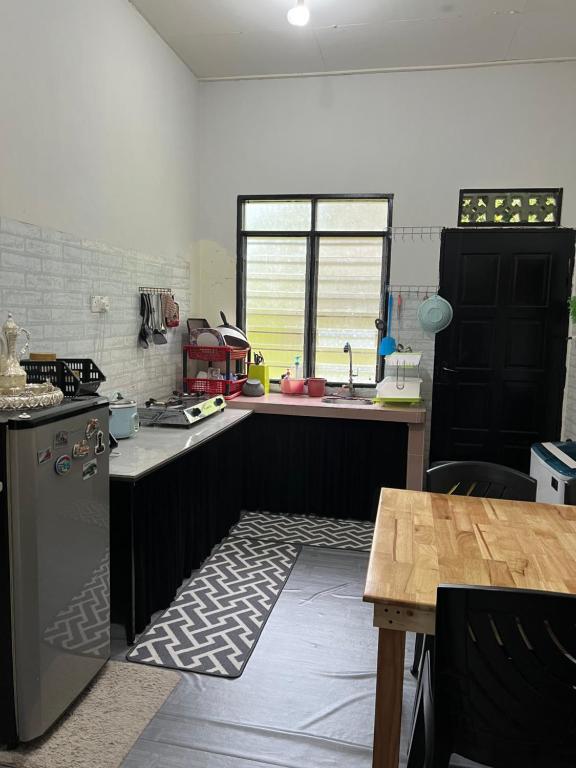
(243, 38)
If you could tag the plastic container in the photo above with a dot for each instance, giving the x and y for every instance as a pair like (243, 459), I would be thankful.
(316, 387)
(262, 373)
(392, 388)
(74, 376)
(215, 354)
(226, 387)
(290, 386)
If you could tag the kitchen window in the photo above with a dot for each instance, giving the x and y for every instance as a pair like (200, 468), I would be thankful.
(311, 275)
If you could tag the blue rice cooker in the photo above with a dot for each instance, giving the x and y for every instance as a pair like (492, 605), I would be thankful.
(124, 420)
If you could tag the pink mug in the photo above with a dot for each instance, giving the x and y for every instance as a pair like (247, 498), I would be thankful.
(316, 387)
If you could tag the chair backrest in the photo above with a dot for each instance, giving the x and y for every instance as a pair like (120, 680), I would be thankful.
(480, 478)
(505, 676)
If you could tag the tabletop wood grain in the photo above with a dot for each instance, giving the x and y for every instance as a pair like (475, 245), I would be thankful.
(424, 539)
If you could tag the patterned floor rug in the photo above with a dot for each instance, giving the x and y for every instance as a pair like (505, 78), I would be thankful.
(307, 530)
(214, 624)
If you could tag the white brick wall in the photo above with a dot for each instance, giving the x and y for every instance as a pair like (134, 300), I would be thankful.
(411, 334)
(46, 280)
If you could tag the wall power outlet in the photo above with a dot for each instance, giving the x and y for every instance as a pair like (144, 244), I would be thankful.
(99, 303)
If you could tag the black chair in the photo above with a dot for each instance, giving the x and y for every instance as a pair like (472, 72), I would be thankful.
(499, 688)
(480, 478)
(475, 478)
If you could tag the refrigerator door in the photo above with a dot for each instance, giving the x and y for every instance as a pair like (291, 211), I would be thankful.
(59, 527)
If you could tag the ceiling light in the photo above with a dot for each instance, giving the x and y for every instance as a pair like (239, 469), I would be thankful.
(299, 16)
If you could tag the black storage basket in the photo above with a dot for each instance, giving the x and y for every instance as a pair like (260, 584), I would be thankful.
(74, 376)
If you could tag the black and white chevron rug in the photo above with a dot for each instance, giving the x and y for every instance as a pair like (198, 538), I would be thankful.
(306, 530)
(214, 624)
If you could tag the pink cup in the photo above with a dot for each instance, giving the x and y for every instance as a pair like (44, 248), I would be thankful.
(316, 387)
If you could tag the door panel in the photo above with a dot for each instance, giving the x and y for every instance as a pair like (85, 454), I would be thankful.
(531, 280)
(520, 407)
(472, 406)
(475, 344)
(525, 344)
(479, 279)
(501, 364)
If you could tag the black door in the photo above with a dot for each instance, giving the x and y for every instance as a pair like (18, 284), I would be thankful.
(500, 366)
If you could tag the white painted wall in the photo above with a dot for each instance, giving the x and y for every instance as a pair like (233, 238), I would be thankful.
(97, 182)
(420, 135)
(97, 123)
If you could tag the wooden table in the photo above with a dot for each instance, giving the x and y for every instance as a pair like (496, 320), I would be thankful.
(422, 540)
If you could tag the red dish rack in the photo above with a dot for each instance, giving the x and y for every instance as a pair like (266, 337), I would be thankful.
(226, 387)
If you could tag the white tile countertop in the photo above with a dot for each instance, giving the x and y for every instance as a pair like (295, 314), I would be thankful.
(152, 447)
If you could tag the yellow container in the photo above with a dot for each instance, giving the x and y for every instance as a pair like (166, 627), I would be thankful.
(262, 373)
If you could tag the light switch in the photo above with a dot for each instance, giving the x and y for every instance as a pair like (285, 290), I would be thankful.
(100, 303)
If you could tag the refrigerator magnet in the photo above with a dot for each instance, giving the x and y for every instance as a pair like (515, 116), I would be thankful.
(100, 447)
(89, 469)
(63, 464)
(44, 455)
(91, 428)
(60, 439)
(81, 449)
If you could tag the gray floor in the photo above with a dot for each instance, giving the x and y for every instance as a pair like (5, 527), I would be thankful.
(306, 698)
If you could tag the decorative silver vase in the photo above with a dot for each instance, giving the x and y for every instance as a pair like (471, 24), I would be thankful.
(12, 375)
(15, 393)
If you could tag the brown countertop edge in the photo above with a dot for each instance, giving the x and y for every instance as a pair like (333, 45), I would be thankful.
(302, 405)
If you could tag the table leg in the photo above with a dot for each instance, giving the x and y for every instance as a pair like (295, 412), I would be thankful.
(389, 686)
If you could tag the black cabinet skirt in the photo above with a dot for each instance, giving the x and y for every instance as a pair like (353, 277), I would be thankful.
(165, 525)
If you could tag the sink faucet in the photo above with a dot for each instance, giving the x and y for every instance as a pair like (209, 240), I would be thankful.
(340, 397)
(348, 349)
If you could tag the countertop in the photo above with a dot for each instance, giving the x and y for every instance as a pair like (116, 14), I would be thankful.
(302, 405)
(152, 447)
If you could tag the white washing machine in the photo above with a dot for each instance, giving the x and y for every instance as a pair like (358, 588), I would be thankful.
(553, 466)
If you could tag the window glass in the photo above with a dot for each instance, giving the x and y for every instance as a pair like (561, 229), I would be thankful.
(275, 299)
(352, 215)
(349, 290)
(341, 243)
(278, 215)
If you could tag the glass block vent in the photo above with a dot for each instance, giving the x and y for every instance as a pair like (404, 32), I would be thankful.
(509, 208)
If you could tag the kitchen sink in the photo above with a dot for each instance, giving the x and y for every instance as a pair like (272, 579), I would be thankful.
(347, 399)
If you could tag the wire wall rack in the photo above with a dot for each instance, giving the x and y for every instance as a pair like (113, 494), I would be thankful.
(416, 233)
(144, 289)
(419, 291)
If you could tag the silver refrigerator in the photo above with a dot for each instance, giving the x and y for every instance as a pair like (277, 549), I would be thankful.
(54, 561)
